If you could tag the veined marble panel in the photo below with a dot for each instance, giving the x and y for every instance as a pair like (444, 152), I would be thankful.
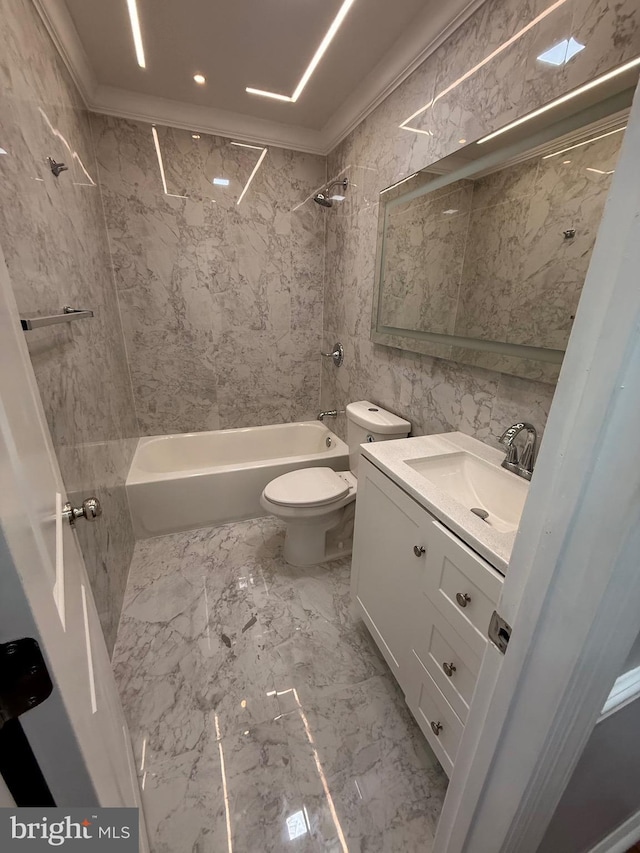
(220, 276)
(484, 76)
(54, 240)
(260, 709)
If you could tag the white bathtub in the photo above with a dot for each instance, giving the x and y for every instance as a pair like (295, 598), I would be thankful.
(199, 479)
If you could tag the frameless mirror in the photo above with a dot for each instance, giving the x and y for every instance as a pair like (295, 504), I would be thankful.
(482, 256)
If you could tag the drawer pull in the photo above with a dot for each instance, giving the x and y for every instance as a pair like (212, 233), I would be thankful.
(436, 728)
(463, 598)
(449, 669)
(418, 550)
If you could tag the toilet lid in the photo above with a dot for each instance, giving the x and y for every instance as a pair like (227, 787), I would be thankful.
(307, 487)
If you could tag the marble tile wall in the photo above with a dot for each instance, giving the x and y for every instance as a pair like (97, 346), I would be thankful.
(54, 240)
(221, 295)
(457, 95)
(521, 280)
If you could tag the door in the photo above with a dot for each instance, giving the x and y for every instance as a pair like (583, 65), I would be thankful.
(572, 591)
(78, 735)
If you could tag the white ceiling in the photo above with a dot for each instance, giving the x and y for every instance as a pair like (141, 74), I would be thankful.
(266, 44)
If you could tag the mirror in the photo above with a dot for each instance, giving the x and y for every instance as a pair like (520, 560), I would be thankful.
(482, 256)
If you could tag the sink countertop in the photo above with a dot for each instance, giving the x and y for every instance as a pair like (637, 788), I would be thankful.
(391, 457)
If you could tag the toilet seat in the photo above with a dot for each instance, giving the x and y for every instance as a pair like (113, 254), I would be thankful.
(307, 487)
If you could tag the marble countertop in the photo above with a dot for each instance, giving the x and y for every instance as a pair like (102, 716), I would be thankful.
(391, 457)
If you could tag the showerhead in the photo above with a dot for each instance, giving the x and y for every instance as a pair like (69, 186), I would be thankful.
(323, 198)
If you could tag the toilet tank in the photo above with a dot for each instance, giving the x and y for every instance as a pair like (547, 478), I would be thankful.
(368, 422)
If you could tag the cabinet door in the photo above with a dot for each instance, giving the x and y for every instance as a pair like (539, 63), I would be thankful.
(461, 585)
(386, 569)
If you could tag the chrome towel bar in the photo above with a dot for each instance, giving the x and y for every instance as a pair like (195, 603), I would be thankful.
(68, 314)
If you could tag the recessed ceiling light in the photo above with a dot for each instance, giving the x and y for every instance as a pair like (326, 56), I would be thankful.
(136, 32)
(562, 52)
(221, 182)
(450, 212)
(566, 162)
(195, 136)
(320, 52)
(564, 98)
(461, 141)
(200, 79)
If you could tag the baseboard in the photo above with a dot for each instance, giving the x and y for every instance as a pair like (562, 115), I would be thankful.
(622, 838)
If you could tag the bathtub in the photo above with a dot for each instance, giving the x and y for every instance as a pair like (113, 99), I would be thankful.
(200, 479)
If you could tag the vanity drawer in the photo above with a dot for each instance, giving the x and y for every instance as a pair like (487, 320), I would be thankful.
(436, 718)
(437, 646)
(461, 585)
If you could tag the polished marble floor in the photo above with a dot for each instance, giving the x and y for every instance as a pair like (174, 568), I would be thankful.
(263, 717)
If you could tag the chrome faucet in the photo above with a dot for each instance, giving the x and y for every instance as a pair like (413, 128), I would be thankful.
(332, 413)
(520, 463)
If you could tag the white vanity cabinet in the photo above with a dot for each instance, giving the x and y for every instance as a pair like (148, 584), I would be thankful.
(427, 599)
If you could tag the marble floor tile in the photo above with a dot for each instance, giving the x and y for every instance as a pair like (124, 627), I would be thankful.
(262, 715)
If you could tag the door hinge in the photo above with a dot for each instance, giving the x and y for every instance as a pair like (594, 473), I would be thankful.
(24, 678)
(499, 632)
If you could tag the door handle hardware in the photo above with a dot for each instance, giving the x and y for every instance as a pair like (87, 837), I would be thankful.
(24, 679)
(90, 510)
(463, 598)
(449, 669)
(418, 550)
(436, 728)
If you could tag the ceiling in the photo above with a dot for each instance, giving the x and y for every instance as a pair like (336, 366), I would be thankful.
(266, 44)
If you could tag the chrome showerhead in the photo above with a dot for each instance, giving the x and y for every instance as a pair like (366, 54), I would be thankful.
(323, 198)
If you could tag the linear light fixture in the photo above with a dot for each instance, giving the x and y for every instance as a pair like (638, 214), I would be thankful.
(320, 52)
(264, 94)
(586, 142)
(564, 98)
(253, 174)
(514, 38)
(136, 32)
(600, 171)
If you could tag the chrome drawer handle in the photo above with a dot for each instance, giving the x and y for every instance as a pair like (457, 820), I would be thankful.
(463, 599)
(436, 728)
(449, 669)
(418, 550)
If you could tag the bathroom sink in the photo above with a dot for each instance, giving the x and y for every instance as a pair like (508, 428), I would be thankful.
(477, 484)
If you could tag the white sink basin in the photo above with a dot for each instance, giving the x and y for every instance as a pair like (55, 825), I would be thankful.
(474, 483)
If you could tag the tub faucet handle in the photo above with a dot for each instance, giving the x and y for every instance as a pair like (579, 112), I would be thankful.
(337, 354)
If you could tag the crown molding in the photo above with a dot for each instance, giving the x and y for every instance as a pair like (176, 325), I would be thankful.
(244, 128)
(425, 35)
(56, 18)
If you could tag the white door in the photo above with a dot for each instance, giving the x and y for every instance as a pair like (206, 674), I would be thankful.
(78, 735)
(572, 592)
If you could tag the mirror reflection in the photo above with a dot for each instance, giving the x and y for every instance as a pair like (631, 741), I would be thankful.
(482, 259)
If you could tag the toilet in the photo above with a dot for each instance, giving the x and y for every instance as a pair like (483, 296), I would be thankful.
(318, 504)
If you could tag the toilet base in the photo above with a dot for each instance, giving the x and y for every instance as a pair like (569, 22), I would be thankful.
(313, 541)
